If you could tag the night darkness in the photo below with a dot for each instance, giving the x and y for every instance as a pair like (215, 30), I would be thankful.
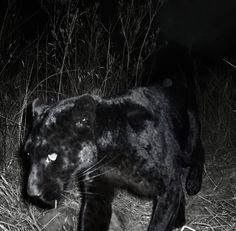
(53, 49)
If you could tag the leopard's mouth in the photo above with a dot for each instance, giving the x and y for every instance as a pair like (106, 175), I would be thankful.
(53, 204)
(51, 199)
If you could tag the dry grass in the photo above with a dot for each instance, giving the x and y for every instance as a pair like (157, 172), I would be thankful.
(15, 214)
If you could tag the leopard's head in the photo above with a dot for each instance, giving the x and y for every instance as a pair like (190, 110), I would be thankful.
(60, 144)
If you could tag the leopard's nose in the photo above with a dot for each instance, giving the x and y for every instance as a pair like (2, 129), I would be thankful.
(33, 185)
(33, 190)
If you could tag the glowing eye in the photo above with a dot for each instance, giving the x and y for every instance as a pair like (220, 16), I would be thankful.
(51, 157)
(28, 154)
(83, 122)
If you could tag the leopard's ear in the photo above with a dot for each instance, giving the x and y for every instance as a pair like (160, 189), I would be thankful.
(84, 111)
(38, 109)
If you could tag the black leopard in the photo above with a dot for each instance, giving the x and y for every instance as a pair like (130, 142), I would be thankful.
(139, 141)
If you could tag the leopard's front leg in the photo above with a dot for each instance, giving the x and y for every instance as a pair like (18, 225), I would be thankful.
(168, 209)
(96, 208)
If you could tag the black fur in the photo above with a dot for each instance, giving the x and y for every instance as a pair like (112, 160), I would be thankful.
(139, 141)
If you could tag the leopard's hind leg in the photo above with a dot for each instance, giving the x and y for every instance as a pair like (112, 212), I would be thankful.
(194, 154)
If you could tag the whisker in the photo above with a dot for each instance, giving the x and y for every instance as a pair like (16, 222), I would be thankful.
(93, 166)
(96, 176)
(80, 195)
(104, 164)
(97, 166)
